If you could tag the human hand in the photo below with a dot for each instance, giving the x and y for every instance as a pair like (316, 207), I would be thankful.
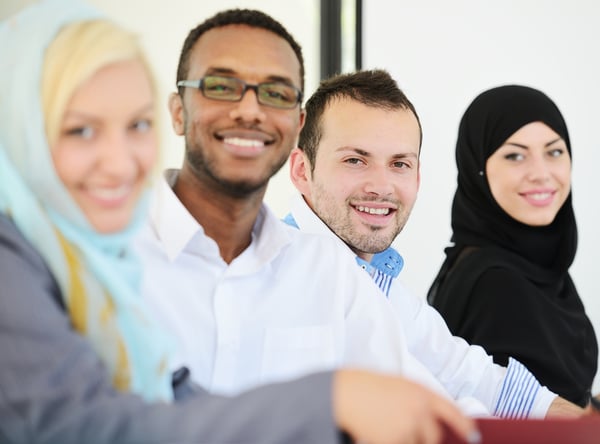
(560, 407)
(593, 407)
(380, 409)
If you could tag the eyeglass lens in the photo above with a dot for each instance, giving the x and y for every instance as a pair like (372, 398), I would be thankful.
(276, 94)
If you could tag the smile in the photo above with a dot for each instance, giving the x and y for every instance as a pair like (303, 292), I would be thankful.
(376, 211)
(244, 143)
(539, 196)
(110, 194)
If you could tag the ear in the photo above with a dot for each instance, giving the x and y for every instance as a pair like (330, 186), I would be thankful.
(300, 171)
(302, 119)
(176, 110)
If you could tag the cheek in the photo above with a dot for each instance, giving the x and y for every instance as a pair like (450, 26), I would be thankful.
(408, 194)
(146, 154)
(565, 175)
(289, 123)
(71, 164)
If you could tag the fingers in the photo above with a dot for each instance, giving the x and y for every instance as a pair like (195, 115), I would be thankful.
(463, 426)
(431, 433)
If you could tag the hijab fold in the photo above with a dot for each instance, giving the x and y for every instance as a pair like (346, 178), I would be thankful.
(561, 348)
(98, 276)
(477, 220)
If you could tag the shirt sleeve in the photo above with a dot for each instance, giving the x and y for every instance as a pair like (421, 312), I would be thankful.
(466, 370)
(54, 389)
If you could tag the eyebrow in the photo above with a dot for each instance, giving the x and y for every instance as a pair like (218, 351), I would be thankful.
(85, 115)
(230, 72)
(525, 147)
(364, 153)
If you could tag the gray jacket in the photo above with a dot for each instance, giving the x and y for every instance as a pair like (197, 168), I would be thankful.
(54, 388)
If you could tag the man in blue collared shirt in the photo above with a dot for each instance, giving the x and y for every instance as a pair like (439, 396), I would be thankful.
(358, 167)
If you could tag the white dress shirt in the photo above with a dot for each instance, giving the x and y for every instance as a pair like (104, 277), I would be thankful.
(290, 304)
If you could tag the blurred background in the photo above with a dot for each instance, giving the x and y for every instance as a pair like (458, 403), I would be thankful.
(442, 54)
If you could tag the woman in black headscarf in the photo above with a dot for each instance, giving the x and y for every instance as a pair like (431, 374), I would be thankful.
(505, 282)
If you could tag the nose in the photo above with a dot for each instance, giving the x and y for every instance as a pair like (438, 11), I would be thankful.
(539, 169)
(117, 156)
(377, 182)
(248, 109)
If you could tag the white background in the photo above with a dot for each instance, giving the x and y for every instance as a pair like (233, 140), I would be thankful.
(443, 53)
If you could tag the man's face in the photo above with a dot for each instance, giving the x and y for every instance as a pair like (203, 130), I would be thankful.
(366, 173)
(238, 146)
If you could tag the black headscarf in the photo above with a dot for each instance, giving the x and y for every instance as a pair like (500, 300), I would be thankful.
(486, 237)
(477, 219)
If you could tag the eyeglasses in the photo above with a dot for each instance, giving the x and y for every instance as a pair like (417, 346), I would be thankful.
(274, 94)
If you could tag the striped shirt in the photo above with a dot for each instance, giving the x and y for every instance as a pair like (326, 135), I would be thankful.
(519, 389)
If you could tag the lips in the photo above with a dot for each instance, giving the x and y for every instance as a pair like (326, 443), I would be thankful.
(370, 210)
(244, 143)
(243, 136)
(539, 198)
(110, 196)
(247, 143)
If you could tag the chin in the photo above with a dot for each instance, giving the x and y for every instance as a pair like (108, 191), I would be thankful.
(110, 224)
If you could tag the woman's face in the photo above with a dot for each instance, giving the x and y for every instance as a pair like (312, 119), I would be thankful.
(107, 144)
(530, 174)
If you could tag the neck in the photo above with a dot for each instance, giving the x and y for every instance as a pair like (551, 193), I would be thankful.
(226, 219)
(364, 256)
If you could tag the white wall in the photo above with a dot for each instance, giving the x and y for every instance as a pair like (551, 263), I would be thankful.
(443, 53)
(164, 26)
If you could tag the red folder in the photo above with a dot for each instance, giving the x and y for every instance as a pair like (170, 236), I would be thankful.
(585, 430)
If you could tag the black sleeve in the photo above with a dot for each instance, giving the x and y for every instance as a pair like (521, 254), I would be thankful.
(509, 316)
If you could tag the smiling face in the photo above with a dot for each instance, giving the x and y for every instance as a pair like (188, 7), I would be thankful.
(530, 174)
(106, 147)
(237, 146)
(366, 173)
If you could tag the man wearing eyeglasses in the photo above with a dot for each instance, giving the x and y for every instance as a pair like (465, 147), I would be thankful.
(248, 299)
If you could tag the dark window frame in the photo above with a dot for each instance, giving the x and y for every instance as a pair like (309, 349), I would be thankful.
(331, 37)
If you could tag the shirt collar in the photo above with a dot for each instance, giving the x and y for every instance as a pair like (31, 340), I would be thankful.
(175, 227)
(172, 222)
(389, 261)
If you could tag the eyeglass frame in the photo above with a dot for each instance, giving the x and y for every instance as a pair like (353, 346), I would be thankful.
(198, 84)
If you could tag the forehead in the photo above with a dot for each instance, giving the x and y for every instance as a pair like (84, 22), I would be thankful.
(128, 80)
(378, 130)
(253, 54)
(536, 132)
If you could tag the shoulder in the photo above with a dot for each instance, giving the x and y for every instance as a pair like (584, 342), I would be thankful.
(26, 279)
(14, 248)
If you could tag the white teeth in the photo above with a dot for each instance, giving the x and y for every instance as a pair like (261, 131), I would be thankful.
(540, 196)
(378, 211)
(244, 142)
(111, 193)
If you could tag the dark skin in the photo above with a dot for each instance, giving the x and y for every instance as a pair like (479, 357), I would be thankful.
(226, 219)
(234, 148)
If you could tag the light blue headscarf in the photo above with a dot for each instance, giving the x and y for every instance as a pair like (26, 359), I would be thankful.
(97, 274)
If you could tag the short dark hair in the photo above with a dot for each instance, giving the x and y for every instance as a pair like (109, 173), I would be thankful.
(249, 17)
(375, 88)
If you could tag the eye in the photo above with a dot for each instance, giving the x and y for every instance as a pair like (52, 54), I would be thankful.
(515, 157)
(142, 125)
(215, 86)
(400, 164)
(84, 132)
(556, 152)
(353, 161)
(278, 94)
